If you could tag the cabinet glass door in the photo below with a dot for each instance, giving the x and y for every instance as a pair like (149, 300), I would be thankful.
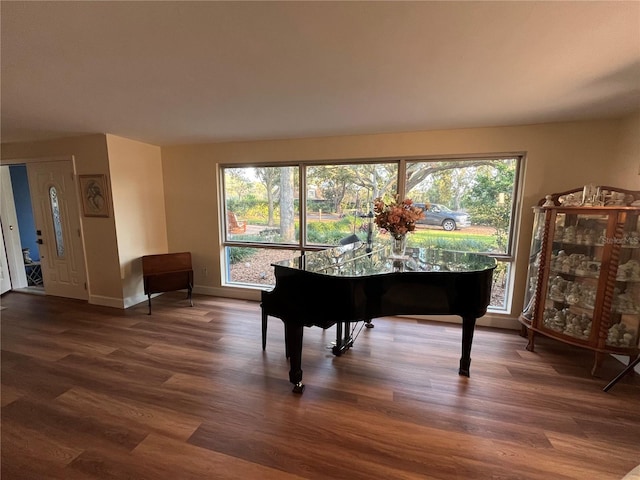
(528, 311)
(625, 308)
(574, 271)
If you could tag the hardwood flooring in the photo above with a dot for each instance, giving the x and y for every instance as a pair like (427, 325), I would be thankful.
(187, 393)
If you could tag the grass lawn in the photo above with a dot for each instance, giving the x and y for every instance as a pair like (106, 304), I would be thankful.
(475, 239)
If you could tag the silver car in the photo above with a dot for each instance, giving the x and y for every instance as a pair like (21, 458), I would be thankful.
(444, 217)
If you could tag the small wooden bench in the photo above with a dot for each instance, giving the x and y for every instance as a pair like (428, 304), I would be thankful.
(167, 272)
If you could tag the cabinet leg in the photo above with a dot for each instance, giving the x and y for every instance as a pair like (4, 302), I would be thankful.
(524, 331)
(530, 336)
(597, 363)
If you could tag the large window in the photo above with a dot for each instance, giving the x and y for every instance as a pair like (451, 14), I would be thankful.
(276, 212)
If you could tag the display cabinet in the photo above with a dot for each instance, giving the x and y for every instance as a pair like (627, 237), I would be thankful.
(583, 285)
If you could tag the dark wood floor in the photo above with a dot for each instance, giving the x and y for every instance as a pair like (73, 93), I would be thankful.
(187, 393)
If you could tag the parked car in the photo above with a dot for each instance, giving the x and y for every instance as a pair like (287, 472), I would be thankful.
(443, 216)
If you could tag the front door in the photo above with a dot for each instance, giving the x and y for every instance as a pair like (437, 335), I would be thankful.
(57, 219)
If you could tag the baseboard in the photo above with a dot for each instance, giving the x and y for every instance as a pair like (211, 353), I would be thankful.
(240, 294)
(106, 301)
(489, 320)
(229, 292)
(117, 302)
(499, 321)
(625, 361)
(135, 300)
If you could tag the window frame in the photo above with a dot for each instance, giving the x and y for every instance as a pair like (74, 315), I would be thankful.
(300, 247)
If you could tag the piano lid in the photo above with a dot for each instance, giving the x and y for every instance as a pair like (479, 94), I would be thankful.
(353, 260)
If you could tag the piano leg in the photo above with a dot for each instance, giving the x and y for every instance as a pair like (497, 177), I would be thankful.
(468, 325)
(337, 350)
(264, 329)
(343, 338)
(293, 340)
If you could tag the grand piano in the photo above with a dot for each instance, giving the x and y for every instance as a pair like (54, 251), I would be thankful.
(360, 282)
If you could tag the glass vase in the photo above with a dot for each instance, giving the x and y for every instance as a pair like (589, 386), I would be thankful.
(398, 245)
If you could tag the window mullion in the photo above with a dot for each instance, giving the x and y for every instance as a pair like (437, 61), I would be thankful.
(302, 209)
(402, 178)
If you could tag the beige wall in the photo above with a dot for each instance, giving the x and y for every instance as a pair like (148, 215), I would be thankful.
(192, 213)
(558, 157)
(138, 205)
(627, 175)
(90, 156)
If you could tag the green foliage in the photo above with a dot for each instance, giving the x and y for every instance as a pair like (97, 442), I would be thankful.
(489, 201)
(239, 254)
(257, 212)
(441, 190)
(234, 205)
(325, 205)
(497, 216)
(492, 189)
(242, 206)
(328, 233)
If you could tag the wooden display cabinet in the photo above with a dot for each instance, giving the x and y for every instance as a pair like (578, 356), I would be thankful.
(583, 285)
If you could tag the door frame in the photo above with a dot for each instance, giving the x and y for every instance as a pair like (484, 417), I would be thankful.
(11, 231)
(5, 278)
(13, 245)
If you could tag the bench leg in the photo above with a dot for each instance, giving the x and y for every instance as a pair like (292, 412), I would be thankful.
(149, 296)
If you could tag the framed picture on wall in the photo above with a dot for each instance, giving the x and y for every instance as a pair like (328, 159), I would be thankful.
(93, 189)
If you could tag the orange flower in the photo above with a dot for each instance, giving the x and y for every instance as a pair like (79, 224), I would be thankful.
(396, 217)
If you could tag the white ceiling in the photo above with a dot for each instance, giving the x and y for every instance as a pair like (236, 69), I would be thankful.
(192, 72)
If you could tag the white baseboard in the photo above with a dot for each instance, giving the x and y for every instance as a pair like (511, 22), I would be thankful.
(135, 300)
(106, 301)
(229, 292)
(625, 361)
(118, 302)
(138, 299)
(489, 320)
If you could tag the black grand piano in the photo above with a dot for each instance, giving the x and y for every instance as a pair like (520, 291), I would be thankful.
(359, 282)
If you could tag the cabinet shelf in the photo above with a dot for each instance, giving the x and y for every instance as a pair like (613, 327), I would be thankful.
(575, 274)
(574, 244)
(583, 285)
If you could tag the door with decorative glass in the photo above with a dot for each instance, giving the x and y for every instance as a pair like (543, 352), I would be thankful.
(56, 215)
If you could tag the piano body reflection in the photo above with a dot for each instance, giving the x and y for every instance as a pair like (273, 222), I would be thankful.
(353, 283)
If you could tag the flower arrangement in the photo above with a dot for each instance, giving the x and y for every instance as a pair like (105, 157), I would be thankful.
(396, 217)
